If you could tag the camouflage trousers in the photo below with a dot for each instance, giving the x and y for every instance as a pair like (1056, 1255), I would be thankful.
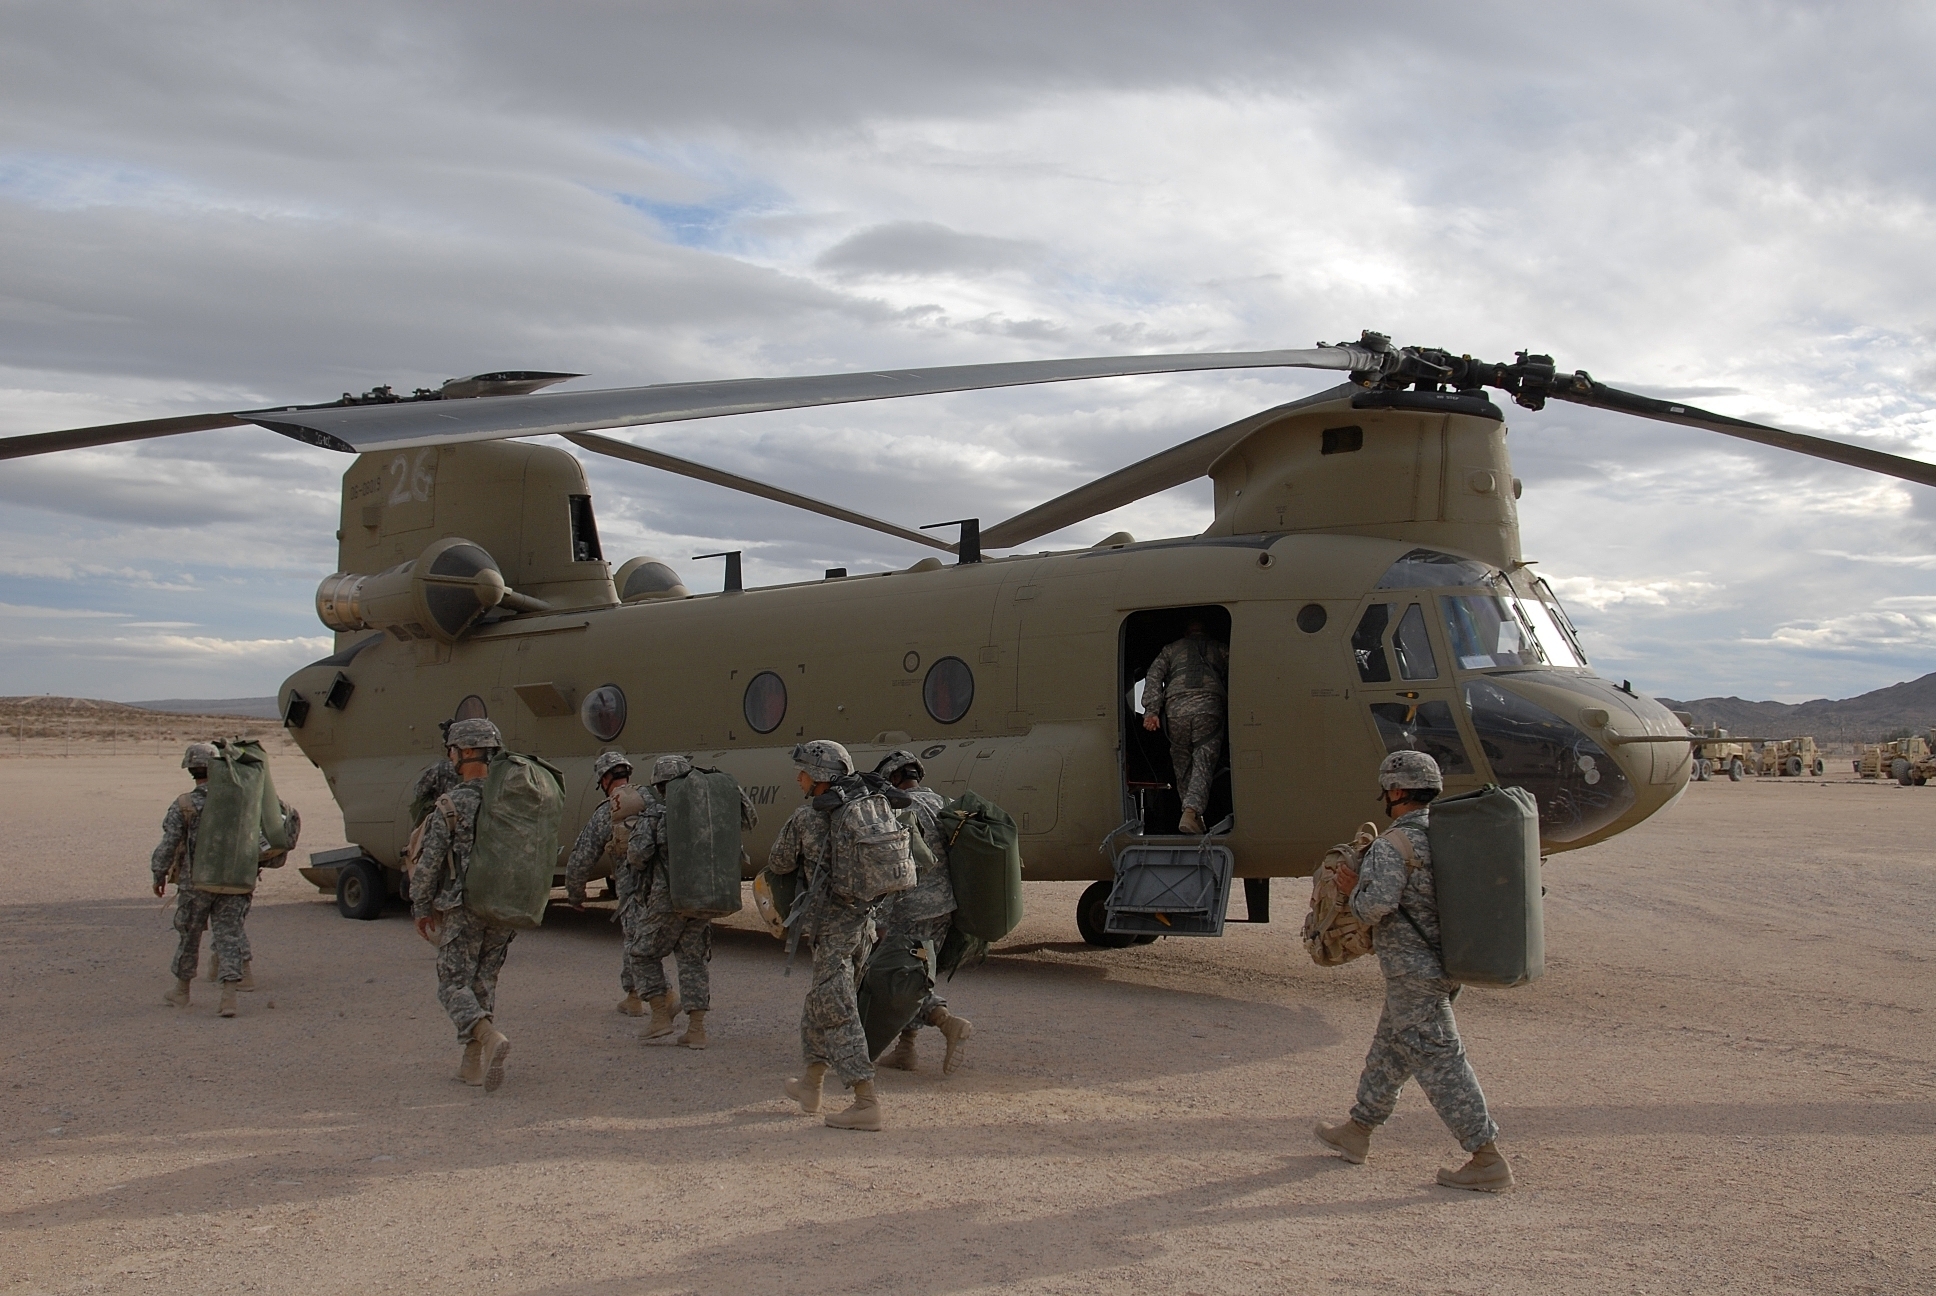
(1417, 1037)
(924, 929)
(1195, 725)
(662, 932)
(222, 915)
(470, 954)
(630, 915)
(830, 1029)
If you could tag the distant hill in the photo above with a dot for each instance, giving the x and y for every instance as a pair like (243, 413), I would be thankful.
(256, 708)
(1910, 705)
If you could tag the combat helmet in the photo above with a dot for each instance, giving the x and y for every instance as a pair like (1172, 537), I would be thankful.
(823, 759)
(1410, 769)
(896, 763)
(474, 735)
(667, 768)
(199, 756)
(608, 762)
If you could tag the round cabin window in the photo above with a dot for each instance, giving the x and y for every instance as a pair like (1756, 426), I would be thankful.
(471, 708)
(949, 689)
(765, 702)
(1311, 618)
(603, 712)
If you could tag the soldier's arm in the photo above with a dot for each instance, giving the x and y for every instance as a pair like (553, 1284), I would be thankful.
(586, 850)
(749, 818)
(785, 855)
(427, 879)
(1381, 880)
(1153, 681)
(172, 831)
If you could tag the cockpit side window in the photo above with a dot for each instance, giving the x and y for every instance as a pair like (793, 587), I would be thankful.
(1426, 727)
(1368, 644)
(1486, 633)
(1414, 645)
(1430, 569)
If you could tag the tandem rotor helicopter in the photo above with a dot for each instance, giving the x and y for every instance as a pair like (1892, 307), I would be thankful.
(1363, 565)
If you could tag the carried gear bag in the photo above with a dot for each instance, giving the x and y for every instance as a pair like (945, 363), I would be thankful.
(241, 811)
(881, 861)
(514, 852)
(984, 867)
(1332, 933)
(702, 826)
(895, 983)
(627, 802)
(1485, 869)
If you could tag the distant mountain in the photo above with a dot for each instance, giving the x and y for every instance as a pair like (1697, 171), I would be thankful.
(1910, 705)
(256, 708)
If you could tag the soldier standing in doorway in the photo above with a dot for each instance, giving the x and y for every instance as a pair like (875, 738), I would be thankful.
(1187, 688)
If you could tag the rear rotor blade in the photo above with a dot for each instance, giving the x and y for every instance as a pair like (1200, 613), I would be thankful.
(700, 472)
(114, 434)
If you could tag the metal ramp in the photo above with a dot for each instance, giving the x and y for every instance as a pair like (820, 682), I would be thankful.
(1178, 889)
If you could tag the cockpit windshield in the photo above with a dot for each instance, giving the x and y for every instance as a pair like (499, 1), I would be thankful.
(1517, 622)
(1430, 569)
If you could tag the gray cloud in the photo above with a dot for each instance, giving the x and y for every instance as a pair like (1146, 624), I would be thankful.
(912, 249)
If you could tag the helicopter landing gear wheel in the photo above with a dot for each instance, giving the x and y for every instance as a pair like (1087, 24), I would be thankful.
(1092, 912)
(359, 890)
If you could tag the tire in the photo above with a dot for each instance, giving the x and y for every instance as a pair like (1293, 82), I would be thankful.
(359, 890)
(1819, 768)
(1735, 770)
(1906, 778)
(1147, 938)
(1701, 771)
(1899, 770)
(1921, 780)
(1092, 911)
(1792, 767)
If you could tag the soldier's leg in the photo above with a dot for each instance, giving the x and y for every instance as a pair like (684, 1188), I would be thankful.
(1438, 1059)
(936, 930)
(225, 935)
(1386, 1070)
(1206, 753)
(643, 975)
(830, 1029)
(191, 917)
(692, 946)
(248, 902)
(459, 947)
(491, 950)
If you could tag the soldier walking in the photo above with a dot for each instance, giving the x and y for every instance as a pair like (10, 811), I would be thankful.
(470, 950)
(1187, 687)
(603, 840)
(1417, 1036)
(223, 914)
(923, 912)
(831, 1035)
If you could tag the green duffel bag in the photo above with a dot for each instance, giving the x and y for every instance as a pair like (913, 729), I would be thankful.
(242, 811)
(703, 851)
(984, 866)
(1485, 870)
(515, 851)
(895, 983)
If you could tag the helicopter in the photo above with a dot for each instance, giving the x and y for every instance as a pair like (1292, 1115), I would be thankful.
(1363, 566)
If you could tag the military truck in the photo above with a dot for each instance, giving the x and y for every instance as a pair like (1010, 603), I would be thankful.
(1891, 759)
(1717, 754)
(1791, 758)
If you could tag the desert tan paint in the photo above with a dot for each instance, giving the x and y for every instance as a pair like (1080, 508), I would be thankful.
(1293, 526)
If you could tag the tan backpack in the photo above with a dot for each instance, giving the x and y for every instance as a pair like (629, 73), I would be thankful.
(627, 802)
(1332, 933)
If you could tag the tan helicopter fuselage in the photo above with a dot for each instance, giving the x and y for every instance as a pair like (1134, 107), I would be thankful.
(1313, 509)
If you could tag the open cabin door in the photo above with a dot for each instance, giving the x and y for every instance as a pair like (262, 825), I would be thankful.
(1150, 792)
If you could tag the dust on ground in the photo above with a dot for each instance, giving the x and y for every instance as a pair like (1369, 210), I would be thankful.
(1724, 1083)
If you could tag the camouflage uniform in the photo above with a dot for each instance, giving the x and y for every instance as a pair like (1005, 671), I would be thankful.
(1416, 1035)
(1186, 686)
(470, 950)
(830, 1028)
(926, 910)
(594, 839)
(196, 909)
(660, 930)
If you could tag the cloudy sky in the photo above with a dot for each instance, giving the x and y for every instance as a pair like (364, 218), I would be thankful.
(213, 206)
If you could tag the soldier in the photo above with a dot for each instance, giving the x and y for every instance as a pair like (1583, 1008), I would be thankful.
(1416, 1033)
(924, 912)
(662, 931)
(597, 841)
(470, 950)
(195, 909)
(1186, 686)
(831, 1035)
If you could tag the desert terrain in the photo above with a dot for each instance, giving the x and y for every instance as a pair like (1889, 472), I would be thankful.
(1726, 1082)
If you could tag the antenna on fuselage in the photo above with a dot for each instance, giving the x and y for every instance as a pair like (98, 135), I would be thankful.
(968, 550)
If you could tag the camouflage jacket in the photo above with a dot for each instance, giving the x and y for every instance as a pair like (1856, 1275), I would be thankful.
(1193, 664)
(801, 844)
(437, 883)
(431, 784)
(593, 839)
(1388, 891)
(645, 853)
(176, 832)
(932, 894)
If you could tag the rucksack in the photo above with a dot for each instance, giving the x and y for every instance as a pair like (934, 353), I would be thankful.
(703, 850)
(627, 802)
(514, 851)
(895, 983)
(881, 861)
(240, 812)
(984, 867)
(1332, 933)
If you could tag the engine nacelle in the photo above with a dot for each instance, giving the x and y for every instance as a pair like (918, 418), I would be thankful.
(643, 579)
(437, 595)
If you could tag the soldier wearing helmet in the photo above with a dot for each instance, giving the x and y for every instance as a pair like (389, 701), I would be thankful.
(1186, 687)
(470, 950)
(924, 912)
(170, 863)
(601, 847)
(1417, 1036)
(660, 930)
(831, 1035)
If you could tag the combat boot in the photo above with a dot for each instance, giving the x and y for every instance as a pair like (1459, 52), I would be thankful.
(806, 1091)
(247, 982)
(661, 1023)
(901, 1056)
(1352, 1140)
(471, 1071)
(695, 1036)
(494, 1048)
(227, 1008)
(957, 1031)
(179, 995)
(1191, 823)
(631, 1005)
(1487, 1171)
(865, 1114)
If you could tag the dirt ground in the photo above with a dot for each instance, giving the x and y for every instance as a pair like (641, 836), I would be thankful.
(1725, 1082)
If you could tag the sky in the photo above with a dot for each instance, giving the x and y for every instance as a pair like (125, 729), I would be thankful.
(209, 206)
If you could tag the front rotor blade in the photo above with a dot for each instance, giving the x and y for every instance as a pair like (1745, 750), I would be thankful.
(408, 423)
(700, 472)
(114, 434)
(1602, 396)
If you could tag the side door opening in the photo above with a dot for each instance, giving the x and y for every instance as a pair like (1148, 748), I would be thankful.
(1149, 784)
